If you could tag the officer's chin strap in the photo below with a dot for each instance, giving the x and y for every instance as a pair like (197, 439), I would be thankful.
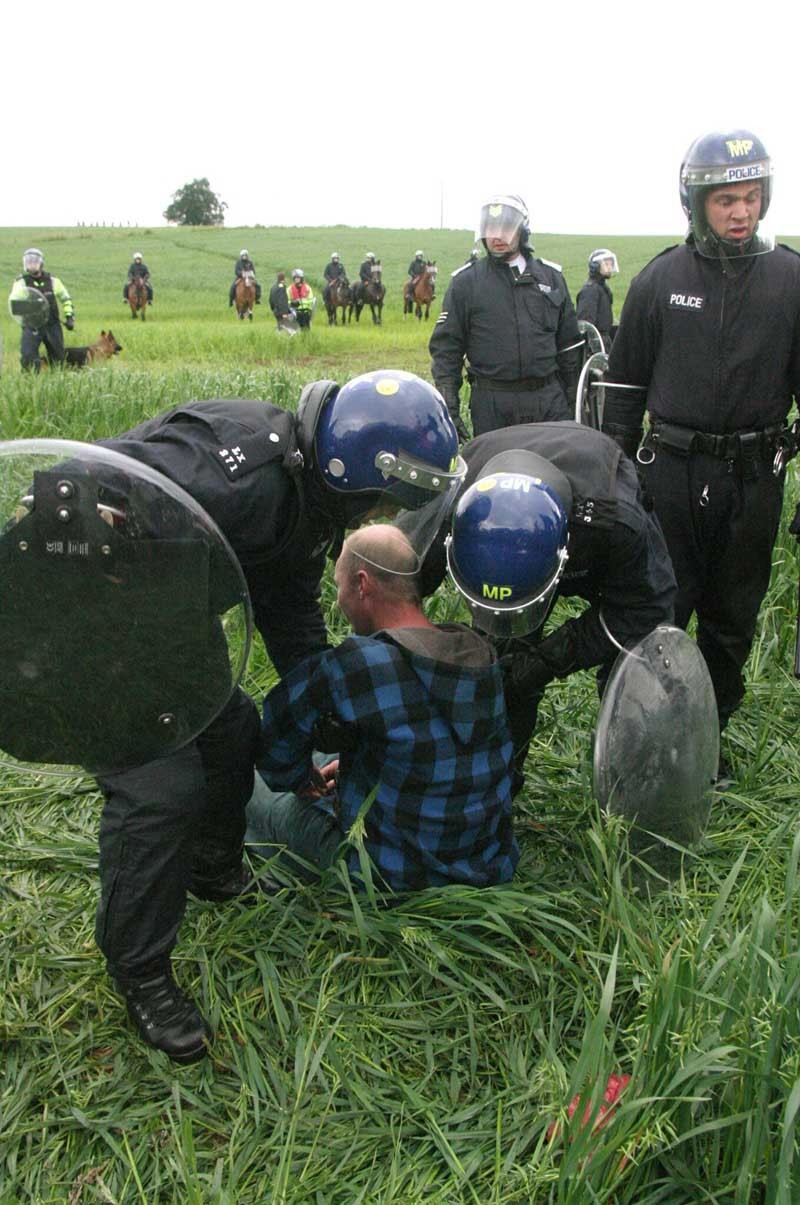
(615, 642)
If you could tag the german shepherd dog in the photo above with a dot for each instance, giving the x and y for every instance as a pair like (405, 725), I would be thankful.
(105, 347)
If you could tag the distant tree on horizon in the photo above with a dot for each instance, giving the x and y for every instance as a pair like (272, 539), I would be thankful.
(196, 205)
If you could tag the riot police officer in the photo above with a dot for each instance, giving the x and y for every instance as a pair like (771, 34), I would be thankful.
(710, 334)
(595, 301)
(35, 279)
(282, 488)
(138, 270)
(549, 510)
(243, 264)
(334, 270)
(512, 317)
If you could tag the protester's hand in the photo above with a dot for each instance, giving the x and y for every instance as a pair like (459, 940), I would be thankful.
(70, 323)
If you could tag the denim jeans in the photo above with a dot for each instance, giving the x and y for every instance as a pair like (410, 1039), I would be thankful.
(299, 830)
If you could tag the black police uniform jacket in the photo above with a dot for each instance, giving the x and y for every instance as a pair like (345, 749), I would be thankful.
(595, 304)
(334, 271)
(509, 328)
(715, 345)
(618, 560)
(239, 460)
(138, 269)
(278, 300)
(244, 265)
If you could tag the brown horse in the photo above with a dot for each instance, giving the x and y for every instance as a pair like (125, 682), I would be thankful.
(245, 294)
(339, 295)
(137, 297)
(420, 293)
(371, 293)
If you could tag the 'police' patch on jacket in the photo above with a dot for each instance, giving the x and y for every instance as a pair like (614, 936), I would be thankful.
(250, 452)
(686, 301)
(545, 288)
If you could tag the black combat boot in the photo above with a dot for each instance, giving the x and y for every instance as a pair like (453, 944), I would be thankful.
(165, 1016)
(228, 885)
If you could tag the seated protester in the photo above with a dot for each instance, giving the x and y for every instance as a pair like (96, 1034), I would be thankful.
(138, 269)
(595, 300)
(244, 264)
(418, 712)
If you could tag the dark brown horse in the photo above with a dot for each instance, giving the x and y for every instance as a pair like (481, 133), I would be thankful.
(420, 292)
(371, 293)
(340, 295)
(245, 295)
(137, 297)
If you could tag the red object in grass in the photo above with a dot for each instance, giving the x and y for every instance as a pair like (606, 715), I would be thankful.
(614, 1088)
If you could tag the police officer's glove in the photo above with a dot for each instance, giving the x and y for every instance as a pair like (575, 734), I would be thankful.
(70, 323)
(450, 395)
(628, 438)
(331, 735)
(794, 526)
(525, 675)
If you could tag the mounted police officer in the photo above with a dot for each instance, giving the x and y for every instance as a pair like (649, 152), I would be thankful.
(138, 270)
(512, 317)
(595, 302)
(417, 267)
(282, 488)
(548, 510)
(244, 264)
(334, 270)
(40, 325)
(709, 344)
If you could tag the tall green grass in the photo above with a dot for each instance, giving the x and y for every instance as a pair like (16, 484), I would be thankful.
(415, 1054)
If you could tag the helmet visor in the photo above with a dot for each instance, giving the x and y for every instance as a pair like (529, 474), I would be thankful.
(726, 202)
(499, 221)
(421, 497)
(32, 261)
(492, 617)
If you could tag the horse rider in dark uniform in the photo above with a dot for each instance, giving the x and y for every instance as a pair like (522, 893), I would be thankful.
(334, 270)
(595, 302)
(417, 267)
(365, 271)
(138, 270)
(282, 488)
(561, 504)
(244, 264)
(511, 316)
(46, 326)
(709, 345)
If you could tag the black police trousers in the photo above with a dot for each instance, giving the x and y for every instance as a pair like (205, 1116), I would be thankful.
(175, 817)
(53, 339)
(720, 520)
(494, 408)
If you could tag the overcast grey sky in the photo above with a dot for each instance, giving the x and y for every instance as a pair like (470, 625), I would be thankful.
(388, 114)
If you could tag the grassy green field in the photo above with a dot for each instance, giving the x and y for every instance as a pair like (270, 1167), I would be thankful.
(416, 1055)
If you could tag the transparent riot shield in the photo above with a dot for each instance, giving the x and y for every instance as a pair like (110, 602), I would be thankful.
(32, 310)
(589, 397)
(124, 617)
(592, 337)
(656, 746)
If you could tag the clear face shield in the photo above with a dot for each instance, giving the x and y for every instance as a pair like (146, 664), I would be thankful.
(32, 262)
(606, 264)
(418, 497)
(726, 204)
(500, 224)
(498, 618)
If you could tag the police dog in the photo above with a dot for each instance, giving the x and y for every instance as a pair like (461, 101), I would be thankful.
(105, 347)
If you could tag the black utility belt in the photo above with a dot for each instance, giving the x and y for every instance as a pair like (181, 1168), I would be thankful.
(524, 385)
(739, 445)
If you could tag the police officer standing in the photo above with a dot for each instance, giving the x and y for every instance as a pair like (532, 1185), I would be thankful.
(710, 335)
(512, 317)
(549, 510)
(47, 329)
(595, 302)
(282, 488)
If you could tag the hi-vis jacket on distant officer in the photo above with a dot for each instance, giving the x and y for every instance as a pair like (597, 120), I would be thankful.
(512, 317)
(710, 332)
(46, 328)
(281, 488)
(610, 551)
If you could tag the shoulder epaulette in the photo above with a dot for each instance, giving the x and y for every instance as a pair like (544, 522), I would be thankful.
(786, 247)
(550, 264)
(667, 250)
(463, 268)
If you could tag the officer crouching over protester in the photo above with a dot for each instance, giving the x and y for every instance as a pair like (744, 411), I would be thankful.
(545, 510)
(421, 720)
(512, 317)
(282, 488)
(709, 345)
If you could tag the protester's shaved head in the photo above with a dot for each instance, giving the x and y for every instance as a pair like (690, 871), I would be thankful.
(387, 555)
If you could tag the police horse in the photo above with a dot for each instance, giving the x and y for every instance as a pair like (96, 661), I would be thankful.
(371, 293)
(137, 297)
(340, 295)
(420, 293)
(245, 294)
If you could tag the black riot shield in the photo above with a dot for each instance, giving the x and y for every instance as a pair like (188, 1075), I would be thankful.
(589, 397)
(124, 616)
(657, 739)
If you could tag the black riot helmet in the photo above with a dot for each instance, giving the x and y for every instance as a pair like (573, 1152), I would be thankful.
(712, 162)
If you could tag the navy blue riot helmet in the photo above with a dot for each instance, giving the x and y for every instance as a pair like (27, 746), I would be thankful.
(712, 162)
(508, 544)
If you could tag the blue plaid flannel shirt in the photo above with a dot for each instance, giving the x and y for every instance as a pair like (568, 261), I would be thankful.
(428, 735)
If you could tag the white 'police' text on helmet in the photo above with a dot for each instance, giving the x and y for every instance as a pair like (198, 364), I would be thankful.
(32, 259)
(504, 216)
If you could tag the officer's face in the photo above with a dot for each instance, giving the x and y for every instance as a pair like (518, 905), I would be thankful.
(732, 211)
(606, 267)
